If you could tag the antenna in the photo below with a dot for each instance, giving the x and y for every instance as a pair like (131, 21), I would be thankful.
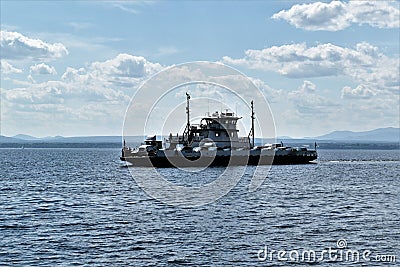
(252, 119)
(252, 124)
(187, 130)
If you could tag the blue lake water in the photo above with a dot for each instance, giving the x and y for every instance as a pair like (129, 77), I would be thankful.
(82, 207)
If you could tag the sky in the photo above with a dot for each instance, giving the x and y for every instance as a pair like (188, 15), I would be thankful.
(70, 68)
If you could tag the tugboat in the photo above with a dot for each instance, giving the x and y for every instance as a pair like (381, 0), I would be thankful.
(213, 142)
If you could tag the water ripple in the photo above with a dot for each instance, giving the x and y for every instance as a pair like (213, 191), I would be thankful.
(80, 207)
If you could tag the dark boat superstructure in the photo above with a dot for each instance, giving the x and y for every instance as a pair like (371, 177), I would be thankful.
(213, 142)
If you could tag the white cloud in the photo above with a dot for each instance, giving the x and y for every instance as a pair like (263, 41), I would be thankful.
(364, 64)
(125, 65)
(361, 91)
(337, 15)
(307, 87)
(85, 97)
(94, 98)
(381, 14)
(30, 79)
(296, 60)
(45, 93)
(133, 7)
(42, 69)
(309, 111)
(65, 107)
(307, 101)
(271, 94)
(124, 7)
(14, 46)
(316, 16)
(124, 72)
(71, 74)
(7, 68)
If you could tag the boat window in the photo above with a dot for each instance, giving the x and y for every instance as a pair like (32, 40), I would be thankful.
(216, 134)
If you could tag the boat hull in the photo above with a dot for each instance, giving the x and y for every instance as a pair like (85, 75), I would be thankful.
(164, 162)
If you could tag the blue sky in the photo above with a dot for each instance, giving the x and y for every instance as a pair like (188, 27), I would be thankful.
(70, 67)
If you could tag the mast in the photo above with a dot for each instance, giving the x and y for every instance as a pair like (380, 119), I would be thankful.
(252, 124)
(187, 130)
(252, 120)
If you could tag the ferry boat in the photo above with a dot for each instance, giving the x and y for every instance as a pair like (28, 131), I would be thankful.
(214, 141)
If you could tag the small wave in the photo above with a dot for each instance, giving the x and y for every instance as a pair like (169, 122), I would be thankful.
(284, 226)
(177, 260)
(14, 226)
(360, 161)
(137, 248)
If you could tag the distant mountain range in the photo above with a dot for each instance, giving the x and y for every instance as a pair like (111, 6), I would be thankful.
(389, 134)
(22, 138)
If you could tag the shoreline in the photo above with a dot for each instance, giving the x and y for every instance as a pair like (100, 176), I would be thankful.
(321, 145)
